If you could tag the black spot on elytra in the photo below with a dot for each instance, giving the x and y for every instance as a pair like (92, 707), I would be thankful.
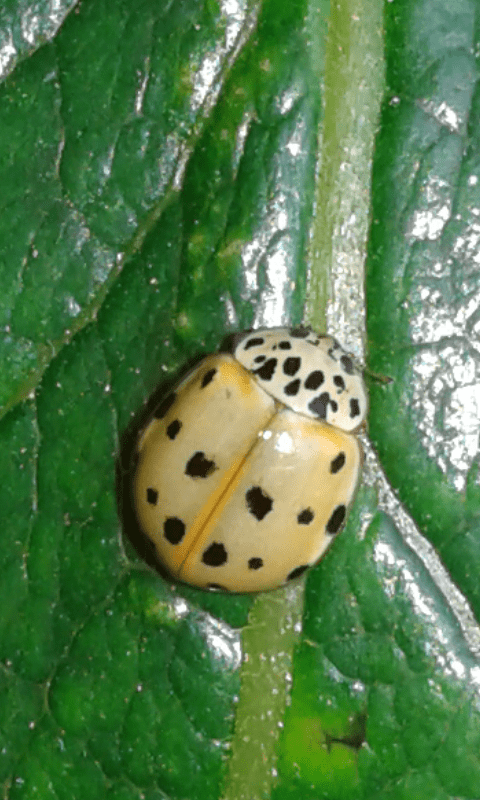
(164, 406)
(255, 563)
(256, 341)
(215, 555)
(209, 376)
(300, 332)
(305, 517)
(174, 530)
(199, 466)
(259, 359)
(354, 408)
(314, 380)
(266, 371)
(258, 502)
(292, 388)
(291, 365)
(337, 463)
(347, 364)
(173, 428)
(336, 520)
(285, 345)
(295, 573)
(152, 496)
(339, 382)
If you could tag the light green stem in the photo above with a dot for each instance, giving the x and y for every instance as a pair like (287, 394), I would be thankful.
(354, 80)
(354, 83)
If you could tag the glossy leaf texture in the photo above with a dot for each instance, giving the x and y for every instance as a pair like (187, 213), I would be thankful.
(158, 164)
(424, 280)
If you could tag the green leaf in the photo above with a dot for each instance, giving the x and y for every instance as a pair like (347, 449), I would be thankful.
(172, 172)
(424, 281)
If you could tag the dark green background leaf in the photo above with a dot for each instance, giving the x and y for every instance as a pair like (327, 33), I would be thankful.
(424, 279)
(158, 165)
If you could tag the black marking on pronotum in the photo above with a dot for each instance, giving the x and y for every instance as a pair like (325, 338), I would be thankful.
(152, 496)
(300, 332)
(314, 380)
(320, 338)
(292, 388)
(285, 345)
(174, 530)
(354, 408)
(291, 365)
(199, 466)
(295, 573)
(173, 428)
(164, 406)
(255, 563)
(347, 364)
(256, 341)
(339, 382)
(215, 555)
(259, 503)
(336, 520)
(305, 517)
(319, 405)
(208, 377)
(259, 359)
(332, 351)
(337, 463)
(266, 371)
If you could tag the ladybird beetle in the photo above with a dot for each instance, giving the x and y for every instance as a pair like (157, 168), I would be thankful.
(246, 470)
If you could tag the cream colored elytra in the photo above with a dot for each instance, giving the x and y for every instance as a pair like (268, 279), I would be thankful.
(237, 490)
